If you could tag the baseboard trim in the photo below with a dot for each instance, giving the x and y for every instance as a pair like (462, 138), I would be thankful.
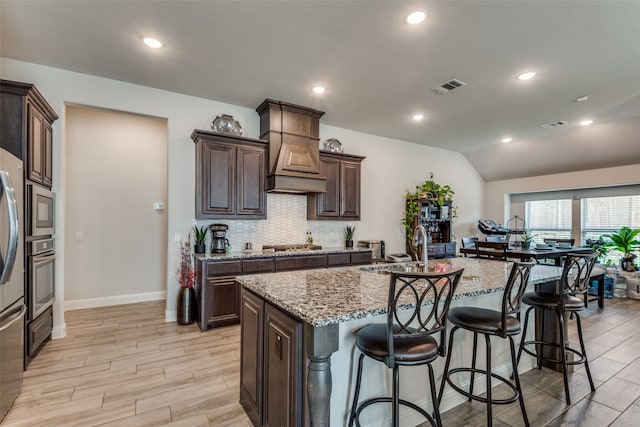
(59, 331)
(114, 300)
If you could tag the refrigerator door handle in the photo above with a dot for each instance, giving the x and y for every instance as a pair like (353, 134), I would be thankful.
(17, 317)
(12, 249)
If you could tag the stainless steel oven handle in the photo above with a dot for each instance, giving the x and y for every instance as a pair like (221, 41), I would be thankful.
(39, 259)
(14, 232)
(19, 316)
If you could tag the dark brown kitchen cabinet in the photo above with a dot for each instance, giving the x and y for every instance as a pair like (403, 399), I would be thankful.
(230, 176)
(271, 364)
(218, 294)
(342, 199)
(303, 262)
(38, 331)
(26, 129)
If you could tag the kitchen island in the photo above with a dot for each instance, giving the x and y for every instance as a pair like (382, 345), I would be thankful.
(298, 335)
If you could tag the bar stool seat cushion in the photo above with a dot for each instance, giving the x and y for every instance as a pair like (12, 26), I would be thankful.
(551, 301)
(483, 320)
(372, 340)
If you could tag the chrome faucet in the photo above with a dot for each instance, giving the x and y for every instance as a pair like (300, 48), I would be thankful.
(420, 233)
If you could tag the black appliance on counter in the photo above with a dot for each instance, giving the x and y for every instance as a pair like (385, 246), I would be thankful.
(219, 241)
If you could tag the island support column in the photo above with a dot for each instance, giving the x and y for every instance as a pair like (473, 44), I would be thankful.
(320, 343)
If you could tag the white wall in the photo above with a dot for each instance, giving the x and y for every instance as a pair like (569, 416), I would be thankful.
(496, 194)
(391, 166)
(116, 169)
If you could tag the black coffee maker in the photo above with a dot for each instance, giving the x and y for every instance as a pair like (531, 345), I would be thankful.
(218, 241)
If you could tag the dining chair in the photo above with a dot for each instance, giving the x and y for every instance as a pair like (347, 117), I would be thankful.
(492, 250)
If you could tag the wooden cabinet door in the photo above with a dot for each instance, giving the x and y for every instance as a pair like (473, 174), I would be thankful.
(282, 369)
(47, 151)
(251, 175)
(350, 190)
(326, 205)
(226, 301)
(215, 190)
(251, 362)
(35, 152)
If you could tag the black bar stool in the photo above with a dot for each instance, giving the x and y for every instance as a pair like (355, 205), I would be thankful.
(570, 300)
(418, 306)
(504, 324)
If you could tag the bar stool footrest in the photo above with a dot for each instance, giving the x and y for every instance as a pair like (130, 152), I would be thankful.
(579, 361)
(388, 399)
(465, 393)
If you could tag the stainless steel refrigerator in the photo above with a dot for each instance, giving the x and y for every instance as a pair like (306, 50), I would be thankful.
(12, 307)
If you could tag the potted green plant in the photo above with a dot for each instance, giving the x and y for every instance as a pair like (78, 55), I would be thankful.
(527, 238)
(186, 304)
(624, 241)
(199, 239)
(348, 235)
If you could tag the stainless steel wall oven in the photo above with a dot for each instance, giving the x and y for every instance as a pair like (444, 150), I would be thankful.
(40, 211)
(41, 279)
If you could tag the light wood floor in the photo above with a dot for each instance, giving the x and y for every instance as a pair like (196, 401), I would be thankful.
(124, 366)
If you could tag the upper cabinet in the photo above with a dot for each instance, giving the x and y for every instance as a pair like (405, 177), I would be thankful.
(230, 176)
(26, 130)
(342, 198)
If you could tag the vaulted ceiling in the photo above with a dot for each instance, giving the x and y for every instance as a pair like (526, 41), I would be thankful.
(378, 70)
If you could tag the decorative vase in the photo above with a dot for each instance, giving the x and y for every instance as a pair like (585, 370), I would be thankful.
(186, 306)
(627, 263)
(526, 245)
(348, 243)
(199, 249)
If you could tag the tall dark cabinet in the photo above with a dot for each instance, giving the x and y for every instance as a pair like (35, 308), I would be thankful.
(26, 131)
(436, 219)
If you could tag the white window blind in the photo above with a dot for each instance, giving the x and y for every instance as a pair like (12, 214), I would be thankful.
(548, 218)
(605, 215)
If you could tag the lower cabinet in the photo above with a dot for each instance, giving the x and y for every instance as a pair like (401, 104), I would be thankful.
(38, 331)
(271, 364)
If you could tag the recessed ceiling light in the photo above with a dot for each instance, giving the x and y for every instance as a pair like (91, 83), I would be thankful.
(418, 116)
(582, 98)
(586, 122)
(151, 42)
(527, 76)
(416, 17)
(319, 89)
(507, 139)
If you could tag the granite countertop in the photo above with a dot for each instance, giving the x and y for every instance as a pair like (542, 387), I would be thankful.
(270, 253)
(327, 296)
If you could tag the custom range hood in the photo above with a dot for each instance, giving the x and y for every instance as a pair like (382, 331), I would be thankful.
(294, 155)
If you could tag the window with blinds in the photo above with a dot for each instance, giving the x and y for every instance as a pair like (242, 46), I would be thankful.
(548, 218)
(605, 215)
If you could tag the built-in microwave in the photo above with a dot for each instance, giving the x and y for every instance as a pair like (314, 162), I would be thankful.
(40, 212)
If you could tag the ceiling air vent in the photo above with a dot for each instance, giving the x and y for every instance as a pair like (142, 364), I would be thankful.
(555, 124)
(448, 86)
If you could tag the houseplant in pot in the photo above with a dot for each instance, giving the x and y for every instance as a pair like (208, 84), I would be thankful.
(527, 238)
(186, 306)
(199, 239)
(625, 241)
(348, 235)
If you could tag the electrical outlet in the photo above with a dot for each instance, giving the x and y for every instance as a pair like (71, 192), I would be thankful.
(79, 236)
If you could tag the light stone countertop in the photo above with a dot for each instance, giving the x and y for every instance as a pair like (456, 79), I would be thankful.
(267, 253)
(328, 296)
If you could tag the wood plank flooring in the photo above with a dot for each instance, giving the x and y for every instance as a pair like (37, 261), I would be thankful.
(124, 366)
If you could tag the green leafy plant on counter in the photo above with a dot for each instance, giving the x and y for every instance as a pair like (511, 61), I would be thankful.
(348, 232)
(430, 190)
(527, 239)
(199, 235)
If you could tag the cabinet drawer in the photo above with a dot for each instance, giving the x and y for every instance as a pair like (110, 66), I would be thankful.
(361, 258)
(302, 262)
(335, 260)
(255, 266)
(38, 331)
(224, 268)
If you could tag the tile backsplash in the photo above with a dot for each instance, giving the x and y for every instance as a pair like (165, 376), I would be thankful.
(286, 223)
